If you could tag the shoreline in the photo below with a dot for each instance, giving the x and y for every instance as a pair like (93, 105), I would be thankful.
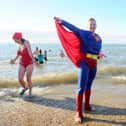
(55, 106)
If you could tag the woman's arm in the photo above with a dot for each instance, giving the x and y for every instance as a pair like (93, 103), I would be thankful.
(12, 61)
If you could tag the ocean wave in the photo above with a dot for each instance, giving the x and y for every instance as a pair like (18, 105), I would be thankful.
(106, 74)
(8, 82)
(54, 78)
(111, 70)
(118, 79)
(51, 79)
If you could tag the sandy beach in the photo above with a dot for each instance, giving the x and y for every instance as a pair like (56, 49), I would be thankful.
(55, 106)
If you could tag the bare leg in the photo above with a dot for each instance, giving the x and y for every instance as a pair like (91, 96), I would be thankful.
(29, 71)
(21, 74)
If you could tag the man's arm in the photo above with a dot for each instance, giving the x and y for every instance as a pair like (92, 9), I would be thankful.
(71, 27)
(68, 25)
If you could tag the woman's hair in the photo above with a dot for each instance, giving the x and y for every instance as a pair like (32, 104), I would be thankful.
(22, 40)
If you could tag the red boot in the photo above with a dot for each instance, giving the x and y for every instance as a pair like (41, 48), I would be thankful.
(87, 106)
(79, 101)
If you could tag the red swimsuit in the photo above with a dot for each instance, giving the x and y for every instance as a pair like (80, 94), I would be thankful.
(25, 59)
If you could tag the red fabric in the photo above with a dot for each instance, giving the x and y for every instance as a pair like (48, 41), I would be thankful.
(25, 57)
(79, 102)
(17, 35)
(87, 106)
(71, 45)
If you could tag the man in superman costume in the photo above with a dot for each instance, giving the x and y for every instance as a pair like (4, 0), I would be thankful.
(83, 48)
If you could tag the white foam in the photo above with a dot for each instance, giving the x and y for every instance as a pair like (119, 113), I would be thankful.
(119, 77)
(2, 93)
(39, 90)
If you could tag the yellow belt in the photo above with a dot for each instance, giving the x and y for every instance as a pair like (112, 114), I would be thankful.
(92, 56)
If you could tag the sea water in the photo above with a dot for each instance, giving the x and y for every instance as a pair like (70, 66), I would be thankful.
(60, 69)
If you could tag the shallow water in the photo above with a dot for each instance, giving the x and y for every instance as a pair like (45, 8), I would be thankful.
(61, 70)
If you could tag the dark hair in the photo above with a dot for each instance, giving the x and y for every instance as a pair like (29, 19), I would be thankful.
(22, 40)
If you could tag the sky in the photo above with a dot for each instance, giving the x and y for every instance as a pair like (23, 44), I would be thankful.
(34, 18)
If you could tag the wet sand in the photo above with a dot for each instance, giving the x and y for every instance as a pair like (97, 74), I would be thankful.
(55, 106)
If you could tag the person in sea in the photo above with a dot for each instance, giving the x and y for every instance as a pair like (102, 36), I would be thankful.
(83, 48)
(45, 55)
(62, 54)
(36, 53)
(26, 62)
(40, 57)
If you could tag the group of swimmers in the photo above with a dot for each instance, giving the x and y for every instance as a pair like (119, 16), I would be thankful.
(40, 56)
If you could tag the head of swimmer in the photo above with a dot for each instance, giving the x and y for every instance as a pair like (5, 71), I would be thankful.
(17, 37)
(91, 24)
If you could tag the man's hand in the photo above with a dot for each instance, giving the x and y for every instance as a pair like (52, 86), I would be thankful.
(57, 19)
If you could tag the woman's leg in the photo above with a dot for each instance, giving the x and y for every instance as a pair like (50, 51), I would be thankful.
(29, 72)
(21, 74)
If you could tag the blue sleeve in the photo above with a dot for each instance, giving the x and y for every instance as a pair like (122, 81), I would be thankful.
(71, 27)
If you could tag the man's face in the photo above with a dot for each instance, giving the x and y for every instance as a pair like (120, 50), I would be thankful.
(92, 25)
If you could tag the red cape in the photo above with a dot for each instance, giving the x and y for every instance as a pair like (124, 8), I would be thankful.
(70, 43)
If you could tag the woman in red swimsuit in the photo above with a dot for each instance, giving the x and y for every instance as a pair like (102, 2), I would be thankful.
(26, 62)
